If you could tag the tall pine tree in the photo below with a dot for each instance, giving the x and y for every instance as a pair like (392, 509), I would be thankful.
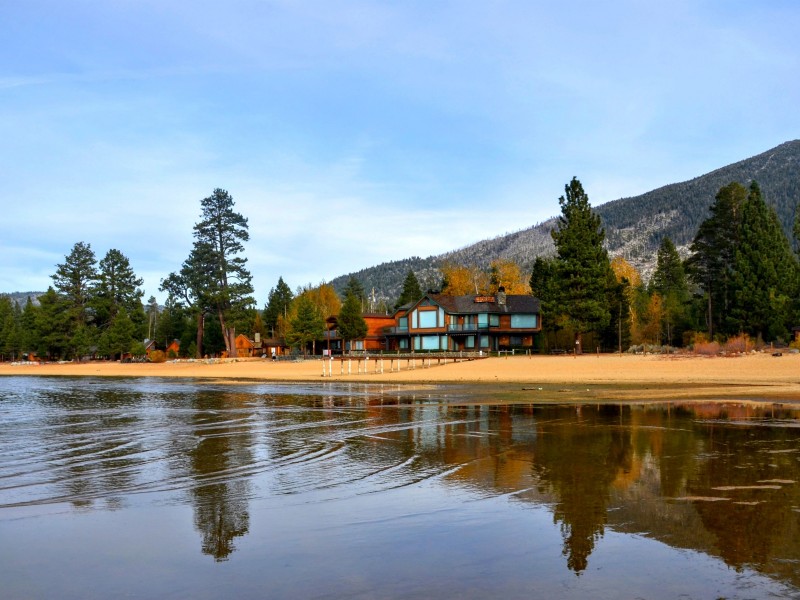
(582, 265)
(765, 272)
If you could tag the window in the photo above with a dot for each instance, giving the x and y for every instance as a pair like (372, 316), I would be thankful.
(470, 341)
(494, 320)
(427, 319)
(484, 341)
(403, 344)
(483, 320)
(430, 342)
(402, 323)
(523, 321)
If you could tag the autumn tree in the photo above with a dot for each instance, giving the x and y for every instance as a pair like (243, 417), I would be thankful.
(508, 275)
(460, 280)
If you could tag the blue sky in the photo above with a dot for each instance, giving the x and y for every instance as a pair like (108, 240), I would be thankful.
(354, 133)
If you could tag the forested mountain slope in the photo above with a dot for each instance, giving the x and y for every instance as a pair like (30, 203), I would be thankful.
(634, 226)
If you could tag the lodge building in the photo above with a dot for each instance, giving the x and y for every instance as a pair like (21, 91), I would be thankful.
(444, 323)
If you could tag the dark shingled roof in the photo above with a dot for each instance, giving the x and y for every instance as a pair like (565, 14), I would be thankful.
(516, 303)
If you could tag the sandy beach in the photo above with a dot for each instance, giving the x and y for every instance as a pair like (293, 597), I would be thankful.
(752, 377)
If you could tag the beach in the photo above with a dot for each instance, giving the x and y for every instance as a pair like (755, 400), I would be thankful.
(757, 376)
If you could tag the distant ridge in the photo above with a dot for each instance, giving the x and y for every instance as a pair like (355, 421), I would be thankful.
(634, 226)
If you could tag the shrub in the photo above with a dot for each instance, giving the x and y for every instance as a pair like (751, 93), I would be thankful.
(738, 344)
(706, 348)
(157, 356)
(172, 355)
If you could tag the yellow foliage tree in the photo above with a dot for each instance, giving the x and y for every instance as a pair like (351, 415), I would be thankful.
(508, 274)
(460, 280)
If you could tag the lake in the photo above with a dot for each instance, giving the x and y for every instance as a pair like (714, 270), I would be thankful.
(148, 488)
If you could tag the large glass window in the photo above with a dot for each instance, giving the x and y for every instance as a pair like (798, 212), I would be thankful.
(427, 319)
(494, 320)
(523, 321)
(470, 341)
(402, 323)
(483, 320)
(403, 344)
(484, 341)
(430, 342)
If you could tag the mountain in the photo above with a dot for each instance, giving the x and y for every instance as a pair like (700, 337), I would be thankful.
(21, 298)
(634, 226)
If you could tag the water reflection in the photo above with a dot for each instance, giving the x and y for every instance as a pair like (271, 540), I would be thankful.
(721, 479)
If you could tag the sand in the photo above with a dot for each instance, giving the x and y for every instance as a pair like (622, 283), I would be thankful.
(758, 376)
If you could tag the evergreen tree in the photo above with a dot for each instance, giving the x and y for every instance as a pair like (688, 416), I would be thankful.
(582, 264)
(9, 326)
(28, 332)
(221, 234)
(52, 325)
(350, 323)
(765, 272)
(75, 279)
(307, 325)
(278, 305)
(411, 290)
(191, 287)
(711, 265)
(119, 338)
(152, 316)
(355, 288)
(117, 287)
(544, 286)
(669, 282)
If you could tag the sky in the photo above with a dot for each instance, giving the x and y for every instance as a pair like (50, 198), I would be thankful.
(354, 133)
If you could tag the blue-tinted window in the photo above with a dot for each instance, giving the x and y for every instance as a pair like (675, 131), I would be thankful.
(523, 321)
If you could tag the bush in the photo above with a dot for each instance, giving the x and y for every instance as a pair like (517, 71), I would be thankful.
(706, 348)
(172, 355)
(158, 356)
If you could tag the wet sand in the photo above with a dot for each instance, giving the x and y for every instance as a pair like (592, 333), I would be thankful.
(756, 376)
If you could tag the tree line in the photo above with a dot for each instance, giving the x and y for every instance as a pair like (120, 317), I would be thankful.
(741, 277)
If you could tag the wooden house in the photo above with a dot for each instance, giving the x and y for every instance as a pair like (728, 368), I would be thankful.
(174, 348)
(374, 341)
(439, 322)
(247, 347)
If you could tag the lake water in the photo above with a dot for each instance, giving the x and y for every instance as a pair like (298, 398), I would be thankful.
(151, 488)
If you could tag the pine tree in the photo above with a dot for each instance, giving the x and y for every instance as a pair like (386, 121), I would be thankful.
(117, 287)
(350, 323)
(278, 305)
(52, 325)
(669, 282)
(75, 279)
(355, 288)
(220, 237)
(307, 325)
(411, 290)
(765, 272)
(119, 338)
(582, 265)
(711, 264)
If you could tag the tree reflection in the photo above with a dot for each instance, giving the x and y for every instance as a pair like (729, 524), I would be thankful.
(219, 494)
(577, 460)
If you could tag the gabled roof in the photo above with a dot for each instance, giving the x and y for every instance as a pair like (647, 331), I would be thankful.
(466, 305)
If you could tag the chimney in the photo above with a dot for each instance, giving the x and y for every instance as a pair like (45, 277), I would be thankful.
(501, 296)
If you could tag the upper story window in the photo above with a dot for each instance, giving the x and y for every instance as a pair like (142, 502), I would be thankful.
(524, 321)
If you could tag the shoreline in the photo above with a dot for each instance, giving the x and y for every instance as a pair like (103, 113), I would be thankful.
(606, 377)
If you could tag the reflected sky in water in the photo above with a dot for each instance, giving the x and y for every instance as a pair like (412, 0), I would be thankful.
(184, 489)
